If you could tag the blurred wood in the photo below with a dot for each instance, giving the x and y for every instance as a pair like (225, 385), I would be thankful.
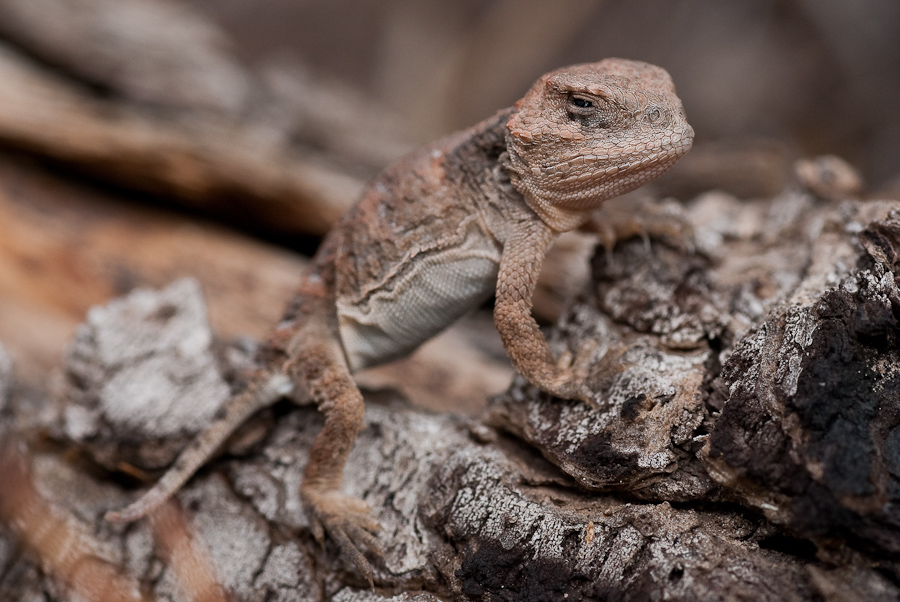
(154, 51)
(744, 168)
(166, 55)
(65, 248)
(189, 558)
(337, 119)
(146, 94)
(213, 164)
(434, 55)
(64, 546)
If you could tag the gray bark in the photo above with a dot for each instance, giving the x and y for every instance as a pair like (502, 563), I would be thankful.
(745, 443)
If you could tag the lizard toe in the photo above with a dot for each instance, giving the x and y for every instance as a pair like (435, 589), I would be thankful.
(348, 522)
(352, 553)
(584, 359)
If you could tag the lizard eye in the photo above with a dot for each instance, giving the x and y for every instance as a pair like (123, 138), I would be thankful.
(579, 106)
(582, 102)
(591, 111)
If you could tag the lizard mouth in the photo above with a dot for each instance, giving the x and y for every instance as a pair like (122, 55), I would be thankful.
(587, 166)
(613, 160)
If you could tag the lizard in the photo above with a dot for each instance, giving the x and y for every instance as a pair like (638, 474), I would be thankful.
(433, 237)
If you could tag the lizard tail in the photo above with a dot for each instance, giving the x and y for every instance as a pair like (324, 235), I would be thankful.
(258, 395)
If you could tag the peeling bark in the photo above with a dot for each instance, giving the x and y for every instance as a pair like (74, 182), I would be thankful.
(810, 431)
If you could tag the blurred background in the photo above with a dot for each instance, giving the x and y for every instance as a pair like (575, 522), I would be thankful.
(821, 76)
(143, 140)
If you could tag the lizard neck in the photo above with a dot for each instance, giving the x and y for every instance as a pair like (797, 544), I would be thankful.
(559, 219)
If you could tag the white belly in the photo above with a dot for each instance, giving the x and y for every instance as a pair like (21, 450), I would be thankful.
(418, 304)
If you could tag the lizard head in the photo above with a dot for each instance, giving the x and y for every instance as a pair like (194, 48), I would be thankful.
(586, 133)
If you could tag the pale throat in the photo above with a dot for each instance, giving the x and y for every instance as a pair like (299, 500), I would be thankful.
(565, 206)
(559, 218)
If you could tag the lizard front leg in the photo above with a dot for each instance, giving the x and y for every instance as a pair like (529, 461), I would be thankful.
(520, 266)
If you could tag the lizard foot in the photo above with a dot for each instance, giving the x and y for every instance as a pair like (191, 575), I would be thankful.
(348, 522)
(665, 221)
(573, 372)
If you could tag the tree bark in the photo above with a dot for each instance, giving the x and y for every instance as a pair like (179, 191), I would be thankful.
(744, 446)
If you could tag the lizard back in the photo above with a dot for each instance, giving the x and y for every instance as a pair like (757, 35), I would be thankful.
(416, 253)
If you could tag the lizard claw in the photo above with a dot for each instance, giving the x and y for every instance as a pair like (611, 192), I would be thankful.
(348, 522)
(581, 367)
(584, 359)
(565, 360)
(574, 370)
(571, 387)
(580, 363)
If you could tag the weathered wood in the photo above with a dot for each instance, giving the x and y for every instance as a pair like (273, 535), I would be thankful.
(152, 51)
(743, 445)
(65, 248)
(810, 429)
(204, 161)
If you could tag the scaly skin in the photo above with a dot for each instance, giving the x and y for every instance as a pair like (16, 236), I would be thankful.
(434, 236)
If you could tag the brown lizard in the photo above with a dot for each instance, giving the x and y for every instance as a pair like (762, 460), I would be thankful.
(434, 236)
